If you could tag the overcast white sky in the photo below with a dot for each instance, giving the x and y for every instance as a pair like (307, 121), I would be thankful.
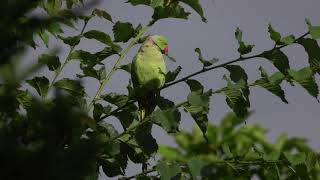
(216, 39)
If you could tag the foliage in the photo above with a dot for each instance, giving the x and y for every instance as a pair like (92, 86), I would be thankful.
(54, 133)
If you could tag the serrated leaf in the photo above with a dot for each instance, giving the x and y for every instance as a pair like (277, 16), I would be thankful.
(98, 110)
(128, 115)
(279, 60)
(126, 67)
(195, 5)
(274, 35)
(72, 40)
(235, 97)
(123, 31)
(168, 119)
(170, 153)
(139, 2)
(52, 62)
(172, 75)
(205, 62)
(198, 107)
(103, 38)
(272, 156)
(243, 47)
(237, 73)
(167, 171)
(89, 59)
(25, 99)
(195, 86)
(145, 140)
(295, 159)
(305, 77)
(174, 10)
(45, 37)
(71, 86)
(312, 48)
(89, 71)
(116, 99)
(313, 30)
(41, 84)
(102, 14)
(271, 85)
(288, 39)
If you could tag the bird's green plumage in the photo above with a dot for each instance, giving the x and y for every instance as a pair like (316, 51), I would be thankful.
(148, 72)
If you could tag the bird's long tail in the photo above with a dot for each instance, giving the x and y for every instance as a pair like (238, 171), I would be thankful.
(147, 104)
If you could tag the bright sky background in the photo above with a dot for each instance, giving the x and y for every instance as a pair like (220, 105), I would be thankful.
(216, 39)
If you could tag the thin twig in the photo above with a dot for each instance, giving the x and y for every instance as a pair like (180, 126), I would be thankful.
(67, 58)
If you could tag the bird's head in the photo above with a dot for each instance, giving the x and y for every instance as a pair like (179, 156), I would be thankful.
(161, 42)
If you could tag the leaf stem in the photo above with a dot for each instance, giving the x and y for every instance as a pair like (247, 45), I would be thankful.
(115, 67)
(67, 58)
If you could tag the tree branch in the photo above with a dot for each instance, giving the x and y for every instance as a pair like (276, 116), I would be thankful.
(67, 58)
(205, 70)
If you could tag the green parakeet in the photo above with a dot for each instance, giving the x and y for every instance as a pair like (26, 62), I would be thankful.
(148, 72)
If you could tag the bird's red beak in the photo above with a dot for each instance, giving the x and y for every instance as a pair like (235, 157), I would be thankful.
(166, 50)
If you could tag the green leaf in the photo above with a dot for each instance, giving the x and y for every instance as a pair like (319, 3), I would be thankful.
(195, 86)
(123, 31)
(314, 30)
(41, 84)
(168, 119)
(279, 60)
(305, 77)
(169, 153)
(116, 99)
(71, 86)
(98, 110)
(195, 5)
(274, 35)
(174, 10)
(204, 61)
(25, 98)
(102, 14)
(269, 84)
(172, 75)
(312, 48)
(89, 59)
(288, 39)
(71, 41)
(103, 38)
(99, 36)
(295, 159)
(195, 165)
(272, 156)
(45, 37)
(89, 71)
(198, 107)
(145, 140)
(237, 73)
(243, 47)
(167, 170)
(126, 67)
(128, 115)
(51, 61)
(237, 99)
(139, 2)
